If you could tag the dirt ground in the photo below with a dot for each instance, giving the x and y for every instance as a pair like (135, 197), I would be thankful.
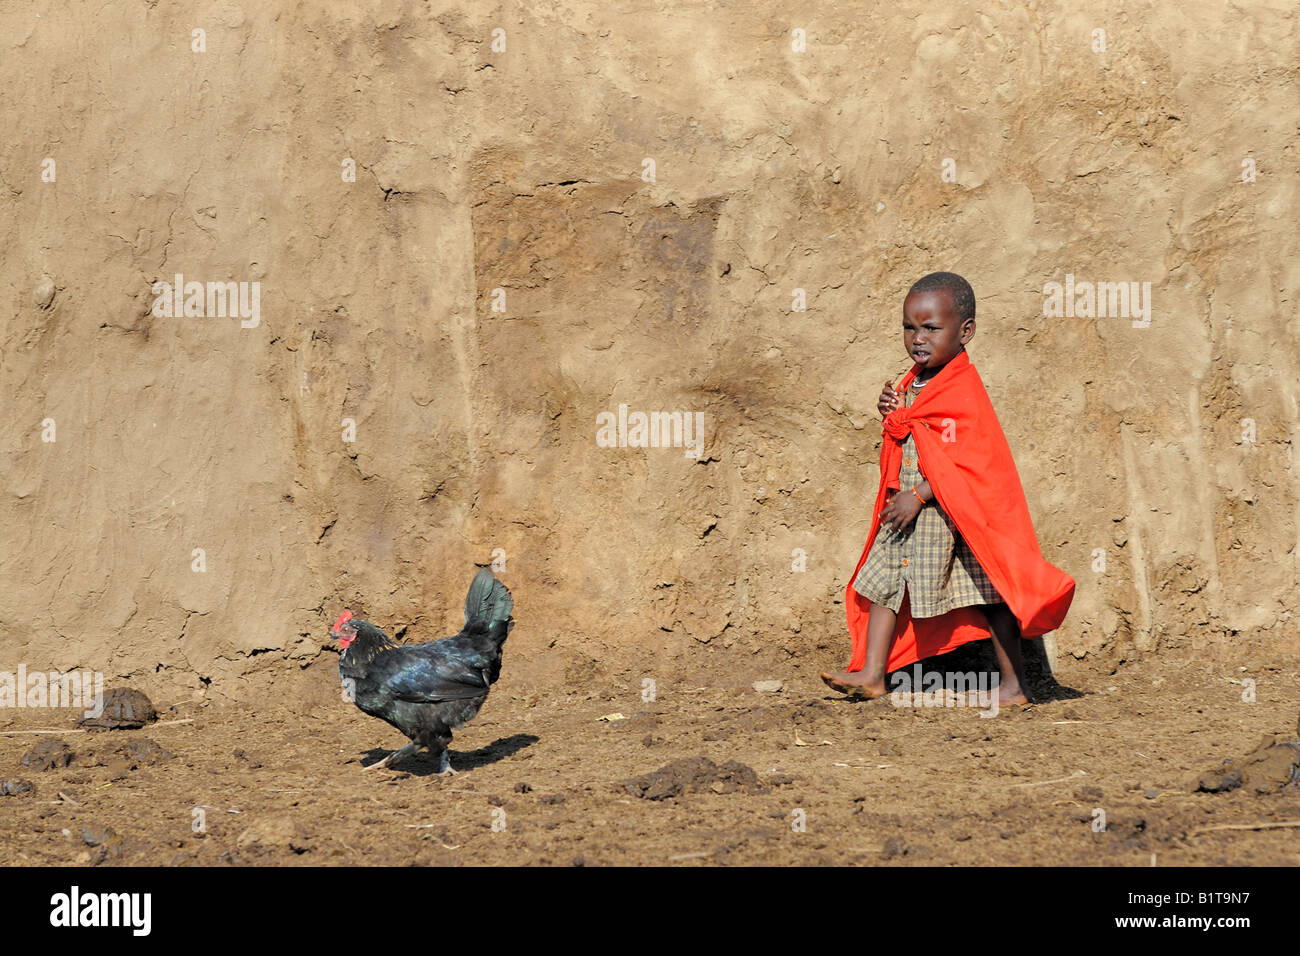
(544, 780)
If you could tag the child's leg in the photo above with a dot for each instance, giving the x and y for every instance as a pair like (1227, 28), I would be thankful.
(870, 681)
(880, 638)
(1013, 687)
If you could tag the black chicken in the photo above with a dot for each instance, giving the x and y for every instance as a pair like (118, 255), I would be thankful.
(425, 690)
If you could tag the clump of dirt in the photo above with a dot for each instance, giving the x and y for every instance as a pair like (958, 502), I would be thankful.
(106, 842)
(144, 753)
(897, 846)
(49, 753)
(14, 787)
(1271, 766)
(276, 832)
(124, 709)
(123, 758)
(696, 775)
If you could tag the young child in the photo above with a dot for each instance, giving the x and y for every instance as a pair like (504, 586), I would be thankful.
(951, 556)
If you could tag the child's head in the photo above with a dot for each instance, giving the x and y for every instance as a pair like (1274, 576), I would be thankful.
(938, 319)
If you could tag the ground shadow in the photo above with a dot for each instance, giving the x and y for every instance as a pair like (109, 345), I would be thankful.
(978, 657)
(425, 764)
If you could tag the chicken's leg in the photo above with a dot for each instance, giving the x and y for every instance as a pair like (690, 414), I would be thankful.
(444, 765)
(395, 755)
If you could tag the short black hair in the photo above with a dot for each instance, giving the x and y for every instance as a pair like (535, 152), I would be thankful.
(963, 296)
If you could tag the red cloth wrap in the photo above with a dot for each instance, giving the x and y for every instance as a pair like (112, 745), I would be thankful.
(965, 456)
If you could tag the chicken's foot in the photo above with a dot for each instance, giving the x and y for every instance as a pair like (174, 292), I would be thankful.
(406, 751)
(444, 766)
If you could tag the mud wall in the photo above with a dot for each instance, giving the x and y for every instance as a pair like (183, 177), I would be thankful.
(598, 206)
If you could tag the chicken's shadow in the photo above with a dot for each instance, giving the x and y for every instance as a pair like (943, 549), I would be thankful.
(425, 764)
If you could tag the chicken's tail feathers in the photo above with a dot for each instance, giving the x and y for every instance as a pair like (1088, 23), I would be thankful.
(488, 601)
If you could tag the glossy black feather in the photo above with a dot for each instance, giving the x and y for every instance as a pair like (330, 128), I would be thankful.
(426, 690)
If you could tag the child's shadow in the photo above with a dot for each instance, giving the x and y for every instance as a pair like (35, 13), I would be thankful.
(1042, 682)
(978, 656)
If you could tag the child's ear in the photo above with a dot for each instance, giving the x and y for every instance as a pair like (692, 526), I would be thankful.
(967, 331)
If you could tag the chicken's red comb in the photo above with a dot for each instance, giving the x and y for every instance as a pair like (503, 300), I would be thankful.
(343, 619)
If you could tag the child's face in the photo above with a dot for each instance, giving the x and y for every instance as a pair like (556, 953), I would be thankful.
(932, 332)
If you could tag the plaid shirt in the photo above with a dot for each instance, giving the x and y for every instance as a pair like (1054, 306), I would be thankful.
(929, 558)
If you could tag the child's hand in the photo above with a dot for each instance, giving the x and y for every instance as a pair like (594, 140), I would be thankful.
(888, 400)
(901, 510)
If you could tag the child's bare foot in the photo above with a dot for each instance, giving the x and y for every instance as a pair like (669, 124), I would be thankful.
(1009, 698)
(855, 684)
(1012, 696)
